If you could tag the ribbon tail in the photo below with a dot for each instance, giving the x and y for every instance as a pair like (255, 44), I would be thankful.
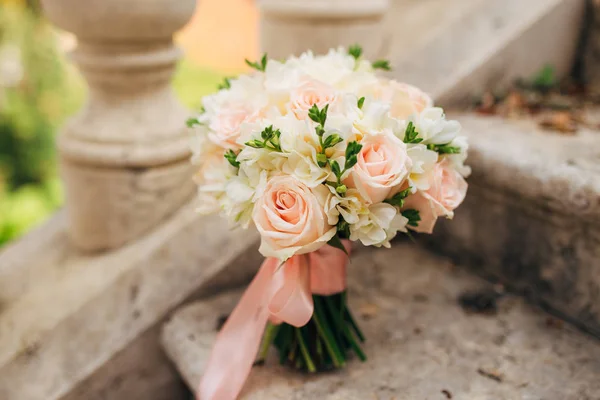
(238, 341)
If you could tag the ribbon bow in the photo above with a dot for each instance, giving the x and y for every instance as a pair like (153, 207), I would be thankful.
(281, 294)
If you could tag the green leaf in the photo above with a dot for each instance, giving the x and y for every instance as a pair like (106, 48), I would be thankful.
(337, 243)
(361, 102)
(343, 229)
(355, 51)
(232, 158)
(263, 62)
(262, 66)
(335, 168)
(412, 215)
(444, 148)
(410, 134)
(545, 78)
(352, 154)
(257, 144)
(319, 116)
(332, 140)
(398, 199)
(321, 160)
(225, 85)
(353, 149)
(191, 122)
(382, 64)
(351, 162)
(267, 133)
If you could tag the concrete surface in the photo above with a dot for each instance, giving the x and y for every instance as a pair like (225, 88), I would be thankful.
(421, 344)
(457, 49)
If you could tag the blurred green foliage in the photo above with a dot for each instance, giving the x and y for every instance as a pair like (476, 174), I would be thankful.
(38, 91)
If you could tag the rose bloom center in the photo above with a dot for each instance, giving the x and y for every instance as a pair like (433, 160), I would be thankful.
(288, 206)
(376, 160)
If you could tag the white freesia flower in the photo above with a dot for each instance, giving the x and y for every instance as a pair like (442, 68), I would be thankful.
(241, 192)
(458, 160)
(331, 68)
(378, 226)
(423, 161)
(349, 207)
(212, 177)
(433, 127)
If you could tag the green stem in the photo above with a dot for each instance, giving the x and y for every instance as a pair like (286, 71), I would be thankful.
(344, 328)
(309, 362)
(270, 333)
(325, 332)
(354, 325)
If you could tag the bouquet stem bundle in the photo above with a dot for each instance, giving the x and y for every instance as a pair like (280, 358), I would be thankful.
(323, 344)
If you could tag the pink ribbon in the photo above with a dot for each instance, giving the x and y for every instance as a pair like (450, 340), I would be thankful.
(281, 294)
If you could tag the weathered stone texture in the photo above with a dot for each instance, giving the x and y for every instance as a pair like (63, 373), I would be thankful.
(420, 341)
(457, 49)
(532, 215)
(591, 55)
(76, 323)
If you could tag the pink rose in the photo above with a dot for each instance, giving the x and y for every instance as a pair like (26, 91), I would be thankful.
(383, 164)
(225, 127)
(310, 92)
(290, 218)
(404, 99)
(447, 190)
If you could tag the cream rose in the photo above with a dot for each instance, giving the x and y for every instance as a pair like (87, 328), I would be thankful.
(290, 218)
(404, 99)
(447, 191)
(225, 127)
(383, 164)
(310, 92)
(407, 99)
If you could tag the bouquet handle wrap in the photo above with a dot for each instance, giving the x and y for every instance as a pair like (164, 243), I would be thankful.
(281, 293)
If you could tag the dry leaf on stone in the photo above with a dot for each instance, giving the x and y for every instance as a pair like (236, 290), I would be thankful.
(561, 121)
(491, 374)
(368, 310)
(487, 105)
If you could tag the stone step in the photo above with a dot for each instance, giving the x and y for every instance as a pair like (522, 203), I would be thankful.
(421, 343)
(455, 49)
(531, 218)
(77, 326)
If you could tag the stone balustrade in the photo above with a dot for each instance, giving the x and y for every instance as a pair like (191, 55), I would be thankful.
(124, 158)
(293, 26)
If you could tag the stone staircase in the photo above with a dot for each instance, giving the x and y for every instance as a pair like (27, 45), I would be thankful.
(421, 343)
(76, 325)
(531, 219)
(531, 223)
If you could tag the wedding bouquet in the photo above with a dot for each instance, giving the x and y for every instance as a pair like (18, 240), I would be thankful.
(316, 151)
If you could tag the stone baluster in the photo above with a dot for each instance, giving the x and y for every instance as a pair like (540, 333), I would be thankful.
(293, 26)
(124, 157)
